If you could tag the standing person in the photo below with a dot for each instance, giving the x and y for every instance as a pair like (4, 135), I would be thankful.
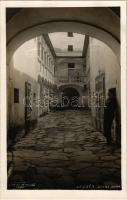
(109, 114)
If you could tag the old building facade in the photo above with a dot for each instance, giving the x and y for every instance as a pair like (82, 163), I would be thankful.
(31, 82)
(104, 74)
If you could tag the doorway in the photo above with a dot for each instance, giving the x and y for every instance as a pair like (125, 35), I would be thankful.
(28, 108)
(70, 98)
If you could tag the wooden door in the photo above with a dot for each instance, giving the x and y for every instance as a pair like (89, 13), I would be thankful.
(28, 105)
(100, 100)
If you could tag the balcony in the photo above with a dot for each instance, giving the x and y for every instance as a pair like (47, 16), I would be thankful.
(78, 80)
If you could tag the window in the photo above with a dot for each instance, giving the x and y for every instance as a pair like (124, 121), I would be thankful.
(34, 97)
(71, 65)
(16, 95)
(42, 53)
(70, 47)
(45, 57)
(52, 64)
(48, 60)
(39, 49)
(70, 34)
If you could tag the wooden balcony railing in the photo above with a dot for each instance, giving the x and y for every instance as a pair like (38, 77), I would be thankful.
(70, 79)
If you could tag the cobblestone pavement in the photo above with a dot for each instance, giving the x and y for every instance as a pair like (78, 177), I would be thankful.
(65, 152)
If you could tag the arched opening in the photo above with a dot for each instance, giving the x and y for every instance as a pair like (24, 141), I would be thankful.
(29, 32)
(77, 20)
(70, 97)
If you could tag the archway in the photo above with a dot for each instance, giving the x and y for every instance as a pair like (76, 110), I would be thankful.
(83, 20)
(70, 97)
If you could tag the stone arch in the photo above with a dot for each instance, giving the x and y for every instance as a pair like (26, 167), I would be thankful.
(71, 91)
(70, 96)
(78, 88)
(81, 20)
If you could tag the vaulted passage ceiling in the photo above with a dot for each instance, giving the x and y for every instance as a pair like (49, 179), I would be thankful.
(10, 12)
(84, 20)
